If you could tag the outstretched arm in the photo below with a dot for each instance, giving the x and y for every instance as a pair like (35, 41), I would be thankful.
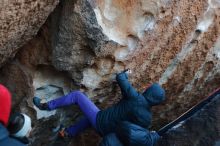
(126, 88)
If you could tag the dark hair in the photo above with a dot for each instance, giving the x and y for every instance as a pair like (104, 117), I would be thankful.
(15, 123)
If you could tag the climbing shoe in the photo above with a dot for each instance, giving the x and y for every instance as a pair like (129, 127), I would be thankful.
(41, 106)
(62, 133)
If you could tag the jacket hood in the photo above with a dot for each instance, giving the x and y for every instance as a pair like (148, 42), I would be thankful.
(3, 132)
(155, 94)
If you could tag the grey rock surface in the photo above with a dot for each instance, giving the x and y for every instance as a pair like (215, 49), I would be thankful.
(78, 38)
(20, 22)
(202, 129)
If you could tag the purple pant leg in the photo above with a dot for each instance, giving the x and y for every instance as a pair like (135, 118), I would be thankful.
(78, 127)
(85, 104)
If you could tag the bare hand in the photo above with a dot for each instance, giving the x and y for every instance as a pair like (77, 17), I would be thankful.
(128, 71)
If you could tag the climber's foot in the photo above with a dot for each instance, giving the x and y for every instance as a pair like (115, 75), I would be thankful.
(41, 106)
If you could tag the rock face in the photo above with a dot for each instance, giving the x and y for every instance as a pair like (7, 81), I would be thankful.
(84, 43)
(189, 132)
(178, 50)
(19, 22)
(79, 47)
(177, 45)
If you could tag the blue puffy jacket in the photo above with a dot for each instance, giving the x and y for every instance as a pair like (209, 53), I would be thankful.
(129, 134)
(5, 140)
(134, 107)
(110, 140)
(134, 135)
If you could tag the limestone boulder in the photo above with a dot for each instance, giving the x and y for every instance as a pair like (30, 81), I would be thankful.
(173, 43)
(84, 43)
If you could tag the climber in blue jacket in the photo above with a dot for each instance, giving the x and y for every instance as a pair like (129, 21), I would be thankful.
(129, 134)
(134, 107)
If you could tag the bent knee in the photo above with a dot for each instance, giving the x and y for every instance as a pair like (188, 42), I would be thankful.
(77, 93)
